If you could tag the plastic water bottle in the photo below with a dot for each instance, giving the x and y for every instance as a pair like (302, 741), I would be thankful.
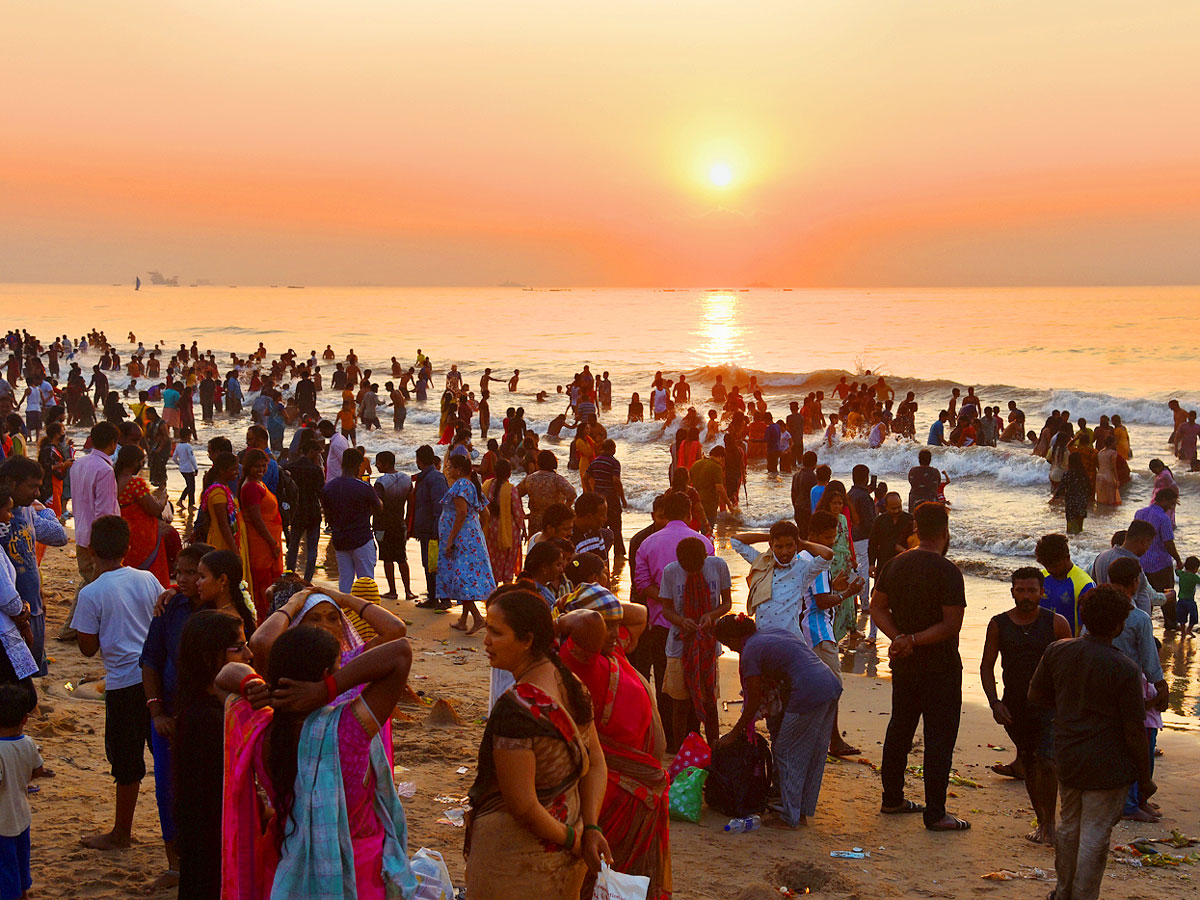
(740, 826)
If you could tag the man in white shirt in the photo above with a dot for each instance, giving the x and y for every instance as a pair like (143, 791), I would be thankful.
(111, 618)
(338, 444)
(780, 575)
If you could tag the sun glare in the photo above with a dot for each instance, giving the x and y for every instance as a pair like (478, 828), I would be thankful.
(720, 174)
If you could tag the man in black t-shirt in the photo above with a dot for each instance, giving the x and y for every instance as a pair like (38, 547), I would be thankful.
(918, 603)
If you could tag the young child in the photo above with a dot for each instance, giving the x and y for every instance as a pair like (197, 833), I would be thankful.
(1185, 604)
(695, 593)
(185, 457)
(20, 763)
(942, 485)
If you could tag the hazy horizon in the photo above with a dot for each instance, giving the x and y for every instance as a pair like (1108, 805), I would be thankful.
(835, 144)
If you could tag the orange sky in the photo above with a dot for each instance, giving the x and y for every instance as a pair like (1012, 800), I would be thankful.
(871, 142)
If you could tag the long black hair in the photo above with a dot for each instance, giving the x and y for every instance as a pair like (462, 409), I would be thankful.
(501, 474)
(303, 653)
(206, 636)
(228, 564)
(529, 617)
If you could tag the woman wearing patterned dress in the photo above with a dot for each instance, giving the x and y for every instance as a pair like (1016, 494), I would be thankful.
(464, 570)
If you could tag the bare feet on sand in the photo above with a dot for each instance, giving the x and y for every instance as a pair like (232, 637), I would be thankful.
(109, 840)
(1041, 835)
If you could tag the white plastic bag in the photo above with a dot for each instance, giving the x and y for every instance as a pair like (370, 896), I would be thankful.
(612, 885)
(433, 878)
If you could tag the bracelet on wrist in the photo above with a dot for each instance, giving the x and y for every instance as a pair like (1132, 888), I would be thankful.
(331, 688)
(593, 828)
(245, 682)
(153, 700)
(569, 840)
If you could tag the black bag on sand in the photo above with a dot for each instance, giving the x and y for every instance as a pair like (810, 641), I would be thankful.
(739, 778)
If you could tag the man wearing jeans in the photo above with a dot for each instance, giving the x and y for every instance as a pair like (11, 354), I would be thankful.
(1100, 745)
(918, 603)
(349, 505)
(429, 486)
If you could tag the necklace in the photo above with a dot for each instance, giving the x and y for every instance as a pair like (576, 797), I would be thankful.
(529, 668)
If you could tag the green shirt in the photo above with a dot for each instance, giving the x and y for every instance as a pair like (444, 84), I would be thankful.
(1187, 581)
(706, 474)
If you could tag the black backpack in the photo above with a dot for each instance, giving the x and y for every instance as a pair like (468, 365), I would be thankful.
(739, 778)
(288, 495)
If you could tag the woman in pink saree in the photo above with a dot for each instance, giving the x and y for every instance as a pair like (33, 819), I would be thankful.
(310, 808)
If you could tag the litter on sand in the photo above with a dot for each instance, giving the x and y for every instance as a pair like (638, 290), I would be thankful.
(1009, 875)
(856, 853)
(462, 770)
(454, 816)
(406, 789)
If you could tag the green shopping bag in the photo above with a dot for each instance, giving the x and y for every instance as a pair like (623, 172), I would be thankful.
(687, 794)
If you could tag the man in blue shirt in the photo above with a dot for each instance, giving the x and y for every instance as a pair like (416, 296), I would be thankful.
(772, 436)
(937, 431)
(1065, 582)
(349, 504)
(31, 524)
(429, 486)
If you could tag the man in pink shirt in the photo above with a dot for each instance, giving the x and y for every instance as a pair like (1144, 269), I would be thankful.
(654, 554)
(93, 494)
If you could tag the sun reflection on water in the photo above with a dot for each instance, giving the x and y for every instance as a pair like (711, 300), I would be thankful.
(721, 333)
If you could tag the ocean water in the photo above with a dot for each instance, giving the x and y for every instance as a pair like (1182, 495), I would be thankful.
(1093, 351)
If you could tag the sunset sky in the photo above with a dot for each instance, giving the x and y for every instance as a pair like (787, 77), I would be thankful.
(864, 142)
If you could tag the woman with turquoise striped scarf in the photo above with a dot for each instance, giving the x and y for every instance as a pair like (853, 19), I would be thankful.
(338, 829)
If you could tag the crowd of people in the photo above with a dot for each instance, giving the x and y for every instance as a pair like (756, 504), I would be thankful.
(218, 645)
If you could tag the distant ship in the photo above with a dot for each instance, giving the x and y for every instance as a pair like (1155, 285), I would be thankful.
(160, 279)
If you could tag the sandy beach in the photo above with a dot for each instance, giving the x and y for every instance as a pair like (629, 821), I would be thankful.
(905, 860)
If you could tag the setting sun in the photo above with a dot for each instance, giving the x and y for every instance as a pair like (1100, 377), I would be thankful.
(720, 175)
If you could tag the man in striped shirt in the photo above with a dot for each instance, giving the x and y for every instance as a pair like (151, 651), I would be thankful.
(605, 472)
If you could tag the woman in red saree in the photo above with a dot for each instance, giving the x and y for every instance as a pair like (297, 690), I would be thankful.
(597, 632)
(142, 509)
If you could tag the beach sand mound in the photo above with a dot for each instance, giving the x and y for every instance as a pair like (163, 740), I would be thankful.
(444, 715)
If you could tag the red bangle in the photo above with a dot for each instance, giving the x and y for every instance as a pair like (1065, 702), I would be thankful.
(331, 687)
(253, 676)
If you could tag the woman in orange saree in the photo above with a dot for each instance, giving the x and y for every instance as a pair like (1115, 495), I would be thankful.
(264, 529)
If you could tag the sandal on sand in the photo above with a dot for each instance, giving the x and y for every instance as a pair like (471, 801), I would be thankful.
(845, 751)
(955, 824)
(908, 806)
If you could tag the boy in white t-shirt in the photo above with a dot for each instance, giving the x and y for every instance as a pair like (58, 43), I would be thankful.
(185, 457)
(112, 616)
(20, 763)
